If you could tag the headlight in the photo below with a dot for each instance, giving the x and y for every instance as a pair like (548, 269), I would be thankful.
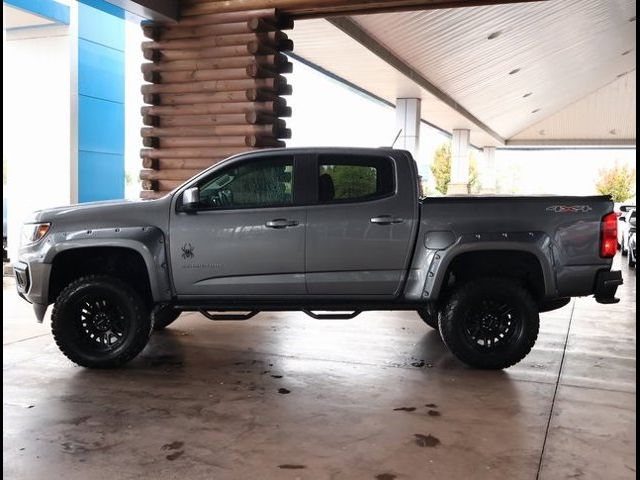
(34, 232)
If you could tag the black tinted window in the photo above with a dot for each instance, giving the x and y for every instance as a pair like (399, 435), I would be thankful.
(259, 183)
(353, 178)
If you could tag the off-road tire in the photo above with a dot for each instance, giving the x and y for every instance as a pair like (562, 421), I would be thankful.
(72, 334)
(430, 319)
(162, 317)
(469, 302)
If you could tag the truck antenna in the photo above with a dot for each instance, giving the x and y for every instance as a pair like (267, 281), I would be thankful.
(397, 137)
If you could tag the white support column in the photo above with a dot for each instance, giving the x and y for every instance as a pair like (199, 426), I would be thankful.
(408, 121)
(459, 163)
(488, 172)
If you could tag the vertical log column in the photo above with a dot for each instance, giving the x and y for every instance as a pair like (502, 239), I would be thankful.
(215, 89)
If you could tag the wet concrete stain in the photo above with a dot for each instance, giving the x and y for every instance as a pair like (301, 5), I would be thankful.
(386, 476)
(434, 413)
(175, 445)
(291, 466)
(283, 391)
(165, 361)
(426, 440)
(75, 448)
(405, 409)
(171, 457)
(421, 364)
(77, 420)
(276, 376)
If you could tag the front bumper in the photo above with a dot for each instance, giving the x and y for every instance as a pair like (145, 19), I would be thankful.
(32, 284)
(607, 282)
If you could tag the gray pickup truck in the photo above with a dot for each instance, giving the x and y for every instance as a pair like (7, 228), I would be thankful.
(331, 232)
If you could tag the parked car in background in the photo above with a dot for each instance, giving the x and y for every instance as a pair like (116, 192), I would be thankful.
(626, 226)
(5, 256)
(621, 208)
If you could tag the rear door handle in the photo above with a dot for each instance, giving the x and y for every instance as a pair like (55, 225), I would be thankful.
(281, 223)
(386, 220)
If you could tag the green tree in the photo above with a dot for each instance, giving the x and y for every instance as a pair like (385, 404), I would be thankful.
(618, 181)
(441, 169)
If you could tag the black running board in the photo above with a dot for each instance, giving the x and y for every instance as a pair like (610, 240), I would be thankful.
(229, 316)
(333, 316)
(246, 316)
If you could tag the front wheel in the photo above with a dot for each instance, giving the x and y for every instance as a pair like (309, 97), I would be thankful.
(429, 316)
(490, 323)
(100, 322)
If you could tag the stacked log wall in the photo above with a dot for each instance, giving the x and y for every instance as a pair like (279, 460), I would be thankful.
(215, 88)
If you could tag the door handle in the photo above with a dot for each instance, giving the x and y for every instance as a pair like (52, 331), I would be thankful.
(386, 220)
(281, 223)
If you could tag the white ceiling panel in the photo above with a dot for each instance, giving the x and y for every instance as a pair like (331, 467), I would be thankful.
(559, 52)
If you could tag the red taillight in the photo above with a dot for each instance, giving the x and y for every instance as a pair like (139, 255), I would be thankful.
(609, 236)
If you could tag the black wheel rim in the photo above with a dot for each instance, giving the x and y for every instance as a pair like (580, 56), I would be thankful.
(100, 323)
(493, 325)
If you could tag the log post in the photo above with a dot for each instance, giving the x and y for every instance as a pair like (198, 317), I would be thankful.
(215, 89)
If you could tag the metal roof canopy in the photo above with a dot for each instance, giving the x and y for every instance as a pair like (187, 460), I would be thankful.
(553, 73)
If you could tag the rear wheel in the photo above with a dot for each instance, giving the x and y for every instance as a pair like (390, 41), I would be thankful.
(631, 260)
(490, 323)
(99, 322)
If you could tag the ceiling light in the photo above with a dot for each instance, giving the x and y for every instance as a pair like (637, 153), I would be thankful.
(535, 111)
(513, 72)
(528, 94)
(494, 35)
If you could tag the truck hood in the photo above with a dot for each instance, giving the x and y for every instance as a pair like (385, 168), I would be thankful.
(114, 213)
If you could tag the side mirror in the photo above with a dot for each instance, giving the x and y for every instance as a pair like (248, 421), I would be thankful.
(191, 199)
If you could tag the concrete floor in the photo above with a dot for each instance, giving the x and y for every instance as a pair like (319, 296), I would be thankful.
(283, 396)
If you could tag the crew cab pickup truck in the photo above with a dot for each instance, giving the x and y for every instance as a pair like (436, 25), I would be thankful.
(331, 232)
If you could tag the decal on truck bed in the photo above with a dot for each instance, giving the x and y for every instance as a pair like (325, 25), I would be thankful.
(569, 208)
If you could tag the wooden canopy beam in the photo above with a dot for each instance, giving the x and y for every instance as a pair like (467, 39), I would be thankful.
(326, 8)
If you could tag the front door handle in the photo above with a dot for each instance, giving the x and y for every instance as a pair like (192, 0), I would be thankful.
(281, 223)
(386, 220)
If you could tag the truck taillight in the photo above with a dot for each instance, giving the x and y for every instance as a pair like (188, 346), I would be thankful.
(609, 236)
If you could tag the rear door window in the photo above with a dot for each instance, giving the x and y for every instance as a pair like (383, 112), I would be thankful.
(354, 178)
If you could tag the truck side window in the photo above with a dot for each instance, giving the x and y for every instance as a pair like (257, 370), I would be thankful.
(263, 182)
(344, 178)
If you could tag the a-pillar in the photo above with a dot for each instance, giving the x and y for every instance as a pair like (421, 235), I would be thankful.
(408, 123)
(459, 163)
(488, 172)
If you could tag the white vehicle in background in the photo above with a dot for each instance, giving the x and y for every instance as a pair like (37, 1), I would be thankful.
(626, 226)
